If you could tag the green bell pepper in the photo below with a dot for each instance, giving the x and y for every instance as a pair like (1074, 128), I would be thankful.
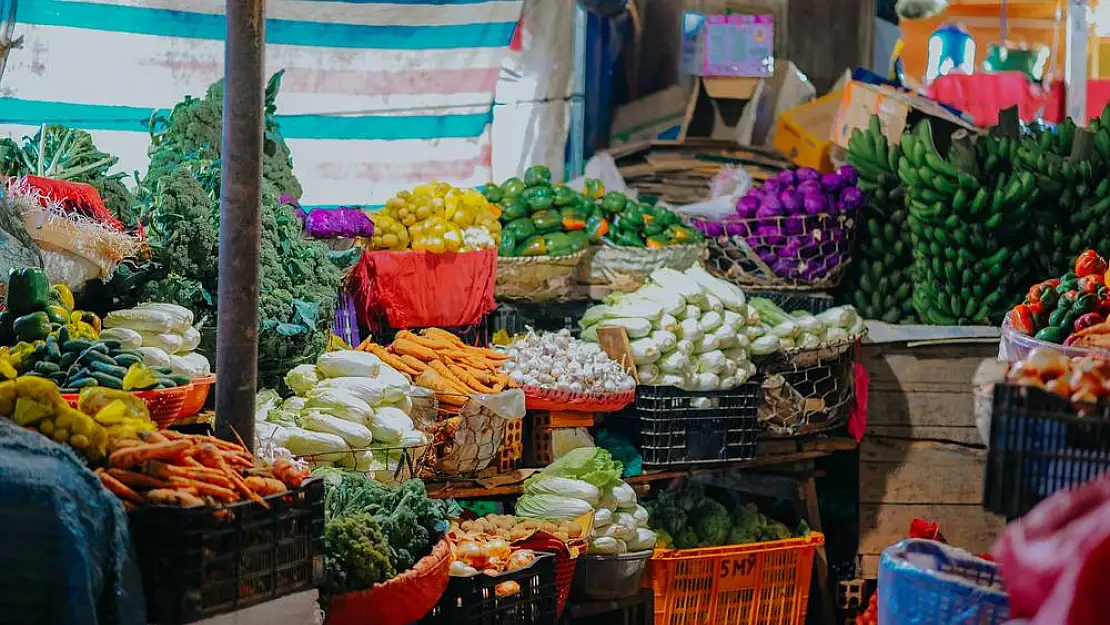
(1056, 318)
(1051, 334)
(628, 239)
(656, 241)
(682, 234)
(508, 244)
(521, 228)
(613, 202)
(512, 187)
(579, 240)
(547, 221)
(512, 209)
(532, 246)
(28, 290)
(492, 192)
(558, 244)
(597, 227)
(32, 327)
(573, 218)
(537, 175)
(632, 219)
(565, 196)
(538, 198)
(593, 188)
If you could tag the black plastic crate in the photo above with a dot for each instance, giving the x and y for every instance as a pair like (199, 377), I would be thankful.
(474, 600)
(816, 302)
(1040, 445)
(517, 317)
(676, 428)
(199, 562)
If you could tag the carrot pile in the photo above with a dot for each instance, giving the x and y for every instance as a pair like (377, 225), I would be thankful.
(440, 361)
(170, 468)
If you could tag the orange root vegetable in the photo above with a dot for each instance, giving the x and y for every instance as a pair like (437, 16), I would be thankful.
(170, 497)
(204, 488)
(444, 335)
(469, 379)
(137, 480)
(126, 442)
(451, 378)
(209, 455)
(152, 436)
(415, 364)
(411, 348)
(391, 360)
(130, 456)
(482, 376)
(445, 392)
(118, 488)
(265, 486)
(173, 436)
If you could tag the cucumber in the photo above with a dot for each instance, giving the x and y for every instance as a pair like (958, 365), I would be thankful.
(168, 381)
(99, 346)
(76, 345)
(163, 370)
(93, 355)
(46, 367)
(81, 382)
(52, 349)
(63, 335)
(181, 379)
(67, 360)
(105, 379)
(112, 344)
(58, 377)
(126, 359)
(112, 370)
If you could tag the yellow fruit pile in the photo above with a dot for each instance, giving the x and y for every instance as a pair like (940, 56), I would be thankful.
(436, 217)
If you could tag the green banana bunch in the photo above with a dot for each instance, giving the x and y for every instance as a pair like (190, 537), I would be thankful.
(878, 283)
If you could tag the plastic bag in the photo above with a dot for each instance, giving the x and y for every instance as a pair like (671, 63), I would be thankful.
(340, 223)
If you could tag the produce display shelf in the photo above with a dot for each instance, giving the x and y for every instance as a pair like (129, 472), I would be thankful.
(807, 449)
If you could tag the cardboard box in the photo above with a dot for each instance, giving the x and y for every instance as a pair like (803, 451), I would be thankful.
(897, 110)
(804, 133)
(657, 116)
(728, 45)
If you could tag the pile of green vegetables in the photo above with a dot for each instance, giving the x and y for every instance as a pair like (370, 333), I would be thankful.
(686, 518)
(373, 531)
(299, 283)
(541, 219)
(69, 154)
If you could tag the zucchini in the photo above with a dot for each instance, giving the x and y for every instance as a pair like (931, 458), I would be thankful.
(108, 380)
(112, 370)
(181, 379)
(76, 345)
(126, 359)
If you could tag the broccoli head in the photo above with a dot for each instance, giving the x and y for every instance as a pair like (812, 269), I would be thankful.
(690, 497)
(686, 539)
(712, 523)
(740, 536)
(670, 519)
(356, 554)
(775, 530)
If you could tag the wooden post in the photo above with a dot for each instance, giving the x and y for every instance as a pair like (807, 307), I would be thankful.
(240, 220)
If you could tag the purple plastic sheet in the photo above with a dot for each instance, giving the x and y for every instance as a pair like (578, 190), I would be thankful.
(339, 223)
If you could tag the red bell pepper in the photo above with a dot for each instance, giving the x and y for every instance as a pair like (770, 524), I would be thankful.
(1022, 319)
(1091, 283)
(1088, 320)
(1089, 262)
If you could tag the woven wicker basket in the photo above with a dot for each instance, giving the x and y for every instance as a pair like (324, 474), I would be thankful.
(626, 268)
(536, 278)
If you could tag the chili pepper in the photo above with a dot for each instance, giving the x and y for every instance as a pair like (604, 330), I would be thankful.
(1089, 262)
(1088, 320)
(1091, 283)
(1022, 320)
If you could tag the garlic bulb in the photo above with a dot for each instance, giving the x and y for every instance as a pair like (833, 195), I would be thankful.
(558, 360)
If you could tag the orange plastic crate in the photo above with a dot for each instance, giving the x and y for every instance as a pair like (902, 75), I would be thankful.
(765, 583)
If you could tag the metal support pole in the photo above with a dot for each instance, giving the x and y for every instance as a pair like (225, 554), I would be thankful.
(577, 137)
(1075, 61)
(240, 220)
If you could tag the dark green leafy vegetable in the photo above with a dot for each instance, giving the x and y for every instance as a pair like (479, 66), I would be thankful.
(356, 554)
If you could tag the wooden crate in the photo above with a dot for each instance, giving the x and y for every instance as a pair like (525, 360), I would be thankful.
(922, 456)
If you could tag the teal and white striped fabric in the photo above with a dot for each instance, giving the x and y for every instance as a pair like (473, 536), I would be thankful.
(378, 95)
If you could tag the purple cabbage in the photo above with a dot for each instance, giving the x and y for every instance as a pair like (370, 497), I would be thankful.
(807, 173)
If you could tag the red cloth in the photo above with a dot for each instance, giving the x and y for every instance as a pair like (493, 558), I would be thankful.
(1098, 96)
(1055, 559)
(422, 289)
(857, 418)
(983, 96)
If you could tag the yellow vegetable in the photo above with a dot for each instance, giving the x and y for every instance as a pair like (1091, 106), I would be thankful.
(28, 411)
(65, 295)
(139, 377)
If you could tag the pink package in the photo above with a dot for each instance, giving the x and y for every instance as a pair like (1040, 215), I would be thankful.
(728, 45)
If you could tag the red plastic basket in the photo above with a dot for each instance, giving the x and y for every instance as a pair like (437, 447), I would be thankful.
(164, 404)
(401, 600)
(566, 559)
(537, 398)
(194, 401)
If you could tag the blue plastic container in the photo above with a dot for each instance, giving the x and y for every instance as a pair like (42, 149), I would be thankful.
(923, 582)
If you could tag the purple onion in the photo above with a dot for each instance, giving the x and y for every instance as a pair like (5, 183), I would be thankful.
(736, 228)
(848, 174)
(794, 225)
(773, 186)
(807, 173)
(767, 256)
(791, 202)
(787, 177)
(768, 235)
(836, 234)
(832, 182)
(790, 250)
(816, 204)
(747, 206)
(785, 268)
(810, 186)
(851, 199)
(769, 207)
(713, 229)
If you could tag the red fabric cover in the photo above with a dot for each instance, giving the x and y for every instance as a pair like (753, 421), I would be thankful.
(857, 418)
(1056, 558)
(1098, 96)
(983, 95)
(422, 289)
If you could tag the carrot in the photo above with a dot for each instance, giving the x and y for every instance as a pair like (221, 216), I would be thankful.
(222, 444)
(391, 360)
(118, 488)
(481, 375)
(130, 456)
(490, 354)
(126, 442)
(445, 392)
(479, 363)
(416, 350)
(414, 363)
(209, 455)
(152, 436)
(366, 345)
(444, 335)
(469, 379)
(265, 485)
(165, 471)
(431, 343)
(170, 497)
(174, 436)
(204, 488)
(451, 378)
(137, 480)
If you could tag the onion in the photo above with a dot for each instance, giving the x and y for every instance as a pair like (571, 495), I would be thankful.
(791, 202)
(785, 268)
(736, 228)
(713, 229)
(851, 198)
(832, 182)
(848, 174)
(772, 185)
(790, 250)
(794, 225)
(472, 554)
(765, 254)
(748, 205)
(769, 235)
(498, 548)
(1046, 363)
(807, 173)
(810, 186)
(787, 177)
(769, 207)
(816, 204)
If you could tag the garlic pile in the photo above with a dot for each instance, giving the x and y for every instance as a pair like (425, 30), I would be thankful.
(559, 361)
